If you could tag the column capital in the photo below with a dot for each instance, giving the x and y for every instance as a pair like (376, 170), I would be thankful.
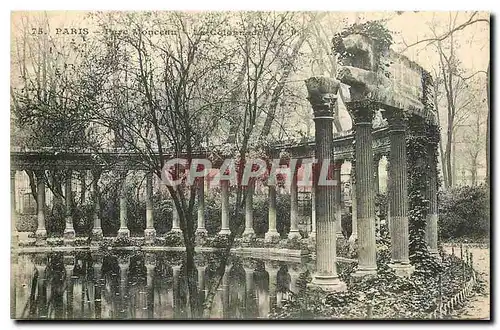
(322, 94)
(395, 118)
(362, 112)
(249, 264)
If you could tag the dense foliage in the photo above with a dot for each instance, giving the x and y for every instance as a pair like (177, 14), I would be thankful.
(464, 213)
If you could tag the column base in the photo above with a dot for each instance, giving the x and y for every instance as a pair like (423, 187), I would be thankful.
(248, 234)
(272, 236)
(149, 235)
(175, 230)
(364, 272)
(402, 270)
(123, 232)
(201, 232)
(69, 234)
(294, 234)
(327, 283)
(41, 237)
(224, 231)
(97, 234)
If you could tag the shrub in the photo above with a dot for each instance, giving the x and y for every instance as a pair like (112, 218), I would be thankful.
(464, 212)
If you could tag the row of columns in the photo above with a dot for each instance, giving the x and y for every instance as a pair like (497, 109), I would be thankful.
(322, 94)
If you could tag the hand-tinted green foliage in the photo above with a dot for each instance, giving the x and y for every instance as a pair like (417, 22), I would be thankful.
(464, 212)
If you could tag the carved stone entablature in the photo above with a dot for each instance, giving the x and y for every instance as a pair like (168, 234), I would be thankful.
(322, 94)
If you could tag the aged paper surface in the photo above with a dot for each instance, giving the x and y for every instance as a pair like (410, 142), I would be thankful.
(243, 165)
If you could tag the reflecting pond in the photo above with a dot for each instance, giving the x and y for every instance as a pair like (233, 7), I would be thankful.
(142, 285)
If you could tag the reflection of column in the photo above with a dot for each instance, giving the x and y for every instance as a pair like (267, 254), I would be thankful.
(432, 216)
(249, 290)
(69, 265)
(123, 231)
(249, 232)
(201, 282)
(150, 263)
(338, 196)
(294, 278)
(96, 230)
(225, 292)
(272, 234)
(294, 205)
(41, 232)
(97, 267)
(272, 270)
(354, 204)
(200, 230)
(41, 266)
(176, 270)
(149, 232)
(322, 96)
(399, 195)
(69, 231)
(224, 186)
(124, 263)
(363, 116)
(14, 216)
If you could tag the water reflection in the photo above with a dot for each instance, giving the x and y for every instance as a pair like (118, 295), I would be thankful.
(86, 285)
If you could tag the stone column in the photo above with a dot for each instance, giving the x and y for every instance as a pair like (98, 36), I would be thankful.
(294, 206)
(338, 197)
(176, 227)
(41, 232)
(398, 194)
(13, 209)
(432, 215)
(322, 96)
(150, 231)
(224, 185)
(249, 232)
(363, 113)
(376, 162)
(123, 231)
(272, 234)
(69, 231)
(354, 205)
(96, 230)
(97, 268)
(200, 230)
(313, 213)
